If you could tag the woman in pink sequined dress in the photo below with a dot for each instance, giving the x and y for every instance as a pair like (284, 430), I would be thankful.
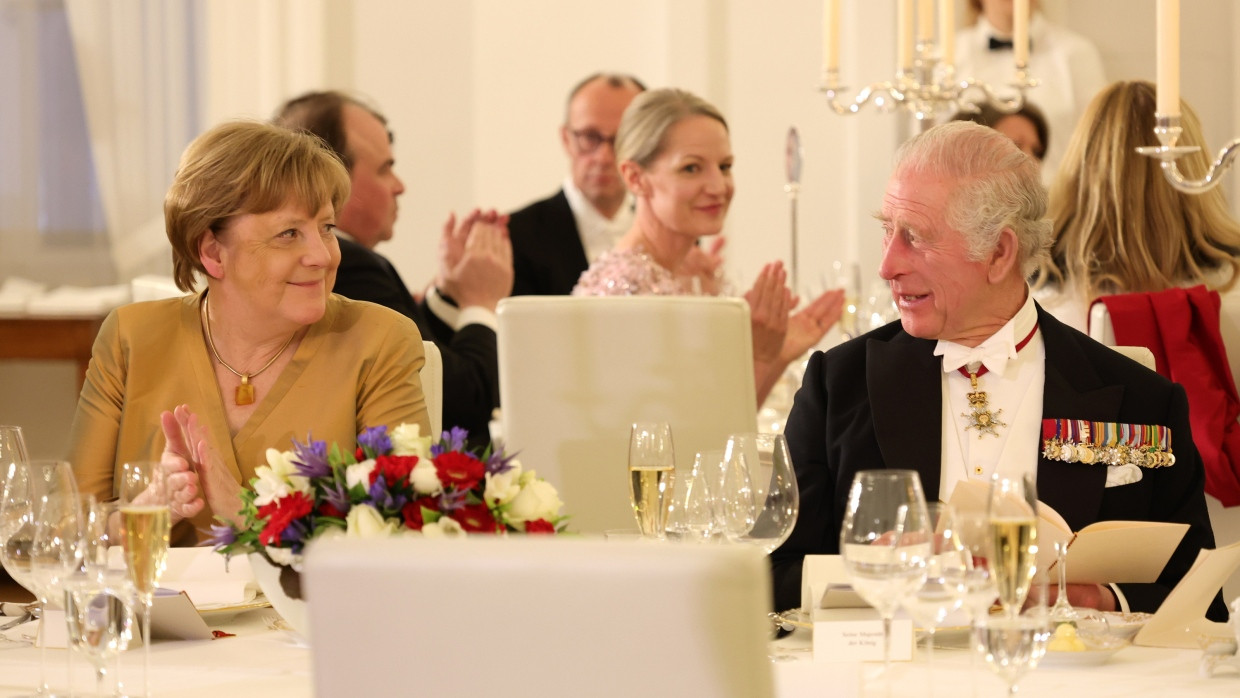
(676, 157)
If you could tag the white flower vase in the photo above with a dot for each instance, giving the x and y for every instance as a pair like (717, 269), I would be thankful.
(293, 611)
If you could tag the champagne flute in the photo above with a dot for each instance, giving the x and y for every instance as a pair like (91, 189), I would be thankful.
(652, 473)
(980, 591)
(946, 579)
(883, 541)
(767, 499)
(1013, 512)
(146, 524)
(1013, 643)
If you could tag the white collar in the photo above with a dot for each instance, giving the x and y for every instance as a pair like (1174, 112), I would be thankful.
(997, 349)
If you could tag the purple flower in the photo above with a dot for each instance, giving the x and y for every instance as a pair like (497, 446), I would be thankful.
(375, 440)
(311, 458)
(221, 536)
(295, 533)
(453, 440)
(383, 498)
(499, 463)
(336, 495)
(452, 500)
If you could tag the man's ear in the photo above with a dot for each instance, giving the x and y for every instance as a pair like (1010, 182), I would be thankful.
(564, 136)
(634, 178)
(1004, 257)
(211, 255)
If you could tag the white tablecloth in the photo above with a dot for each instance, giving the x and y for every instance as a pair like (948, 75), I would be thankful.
(266, 662)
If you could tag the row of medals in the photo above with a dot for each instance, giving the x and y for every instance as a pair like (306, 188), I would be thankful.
(1117, 454)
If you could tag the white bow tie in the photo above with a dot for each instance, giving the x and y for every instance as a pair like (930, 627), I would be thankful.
(994, 353)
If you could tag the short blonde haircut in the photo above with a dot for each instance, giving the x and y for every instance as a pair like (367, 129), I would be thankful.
(1120, 227)
(649, 117)
(242, 167)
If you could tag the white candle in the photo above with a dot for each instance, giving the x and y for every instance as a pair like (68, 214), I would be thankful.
(1168, 58)
(904, 35)
(830, 37)
(1020, 32)
(947, 31)
(925, 21)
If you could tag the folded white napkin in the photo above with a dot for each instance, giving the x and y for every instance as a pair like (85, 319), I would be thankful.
(77, 300)
(200, 573)
(16, 292)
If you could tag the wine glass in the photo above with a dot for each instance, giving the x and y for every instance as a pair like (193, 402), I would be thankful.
(98, 600)
(652, 473)
(1013, 643)
(884, 541)
(1013, 512)
(15, 513)
(692, 514)
(760, 496)
(145, 527)
(946, 575)
(48, 537)
(975, 534)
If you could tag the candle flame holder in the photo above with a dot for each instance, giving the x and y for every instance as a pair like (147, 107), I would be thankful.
(927, 89)
(1167, 129)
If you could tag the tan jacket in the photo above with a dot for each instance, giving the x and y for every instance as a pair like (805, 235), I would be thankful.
(357, 367)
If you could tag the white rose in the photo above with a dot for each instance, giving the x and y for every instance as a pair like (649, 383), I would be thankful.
(359, 474)
(443, 528)
(503, 487)
(364, 521)
(407, 440)
(424, 477)
(283, 556)
(536, 500)
(278, 478)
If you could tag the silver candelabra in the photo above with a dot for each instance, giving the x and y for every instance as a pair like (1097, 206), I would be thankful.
(1167, 129)
(926, 89)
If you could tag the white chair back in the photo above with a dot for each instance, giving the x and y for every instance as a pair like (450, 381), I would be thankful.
(562, 617)
(432, 386)
(575, 373)
(1101, 329)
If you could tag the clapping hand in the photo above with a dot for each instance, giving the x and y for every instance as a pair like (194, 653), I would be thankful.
(808, 325)
(196, 473)
(769, 302)
(476, 260)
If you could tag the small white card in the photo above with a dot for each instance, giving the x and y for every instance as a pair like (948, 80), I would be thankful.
(856, 635)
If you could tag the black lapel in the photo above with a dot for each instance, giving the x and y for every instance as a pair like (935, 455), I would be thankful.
(906, 399)
(1073, 390)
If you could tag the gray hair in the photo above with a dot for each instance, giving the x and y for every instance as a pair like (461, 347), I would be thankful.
(996, 187)
(648, 118)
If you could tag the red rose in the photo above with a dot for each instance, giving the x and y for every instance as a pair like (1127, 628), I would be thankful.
(460, 469)
(394, 469)
(475, 518)
(412, 512)
(281, 513)
(359, 454)
(539, 526)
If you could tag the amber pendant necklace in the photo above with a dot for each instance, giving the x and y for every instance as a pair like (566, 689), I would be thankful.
(245, 391)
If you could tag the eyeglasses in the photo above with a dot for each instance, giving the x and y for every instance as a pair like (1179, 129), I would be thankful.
(588, 140)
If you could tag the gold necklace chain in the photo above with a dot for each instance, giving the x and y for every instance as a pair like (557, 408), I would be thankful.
(245, 392)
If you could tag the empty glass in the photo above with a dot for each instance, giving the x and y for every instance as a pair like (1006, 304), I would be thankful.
(1014, 643)
(946, 575)
(884, 541)
(760, 499)
(691, 517)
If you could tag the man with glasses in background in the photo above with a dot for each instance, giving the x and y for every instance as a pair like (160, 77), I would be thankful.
(553, 240)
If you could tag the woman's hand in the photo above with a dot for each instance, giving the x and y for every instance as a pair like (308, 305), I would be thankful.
(706, 265)
(809, 324)
(769, 302)
(196, 473)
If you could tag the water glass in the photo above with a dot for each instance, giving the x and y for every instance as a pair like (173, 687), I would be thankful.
(691, 517)
(760, 498)
(1013, 643)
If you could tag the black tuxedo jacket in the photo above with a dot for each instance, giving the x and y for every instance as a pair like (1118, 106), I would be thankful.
(470, 358)
(547, 254)
(875, 402)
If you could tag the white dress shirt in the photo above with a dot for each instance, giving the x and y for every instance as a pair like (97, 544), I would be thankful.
(598, 232)
(1067, 66)
(1015, 387)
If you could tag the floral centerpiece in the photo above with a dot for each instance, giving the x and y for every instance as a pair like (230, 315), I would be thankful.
(397, 483)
